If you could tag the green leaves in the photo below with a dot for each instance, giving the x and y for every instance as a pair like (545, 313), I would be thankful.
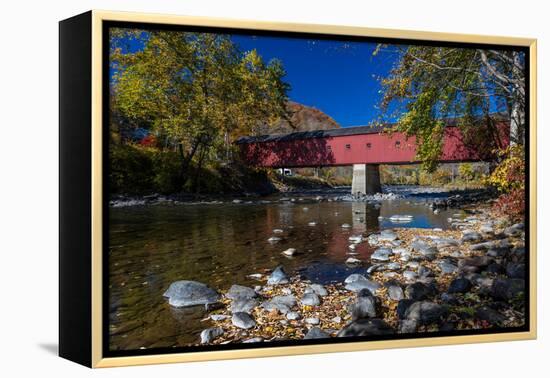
(196, 90)
(428, 84)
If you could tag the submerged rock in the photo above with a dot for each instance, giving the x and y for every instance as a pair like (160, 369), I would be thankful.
(401, 218)
(190, 293)
(274, 239)
(278, 276)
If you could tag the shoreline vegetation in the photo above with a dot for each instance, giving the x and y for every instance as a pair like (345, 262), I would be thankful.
(471, 276)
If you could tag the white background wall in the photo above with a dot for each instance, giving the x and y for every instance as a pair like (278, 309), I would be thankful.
(28, 186)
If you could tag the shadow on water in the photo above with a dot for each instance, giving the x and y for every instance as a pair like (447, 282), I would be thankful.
(221, 245)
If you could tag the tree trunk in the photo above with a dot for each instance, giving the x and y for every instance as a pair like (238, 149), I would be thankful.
(198, 172)
(517, 114)
(186, 161)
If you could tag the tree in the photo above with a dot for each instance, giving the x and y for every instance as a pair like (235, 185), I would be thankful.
(428, 84)
(196, 91)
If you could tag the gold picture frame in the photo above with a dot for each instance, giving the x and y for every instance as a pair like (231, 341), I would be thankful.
(94, 21)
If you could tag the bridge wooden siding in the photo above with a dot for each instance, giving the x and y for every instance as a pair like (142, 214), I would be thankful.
(356, 145)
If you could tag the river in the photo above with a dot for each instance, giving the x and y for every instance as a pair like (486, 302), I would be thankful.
(223, 243)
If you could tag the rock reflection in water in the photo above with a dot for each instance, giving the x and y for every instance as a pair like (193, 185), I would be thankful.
(222, 244)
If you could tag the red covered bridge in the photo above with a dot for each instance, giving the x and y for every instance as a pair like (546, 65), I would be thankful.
(365, 148)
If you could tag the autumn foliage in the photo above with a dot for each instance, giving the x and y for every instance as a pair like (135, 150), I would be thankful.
(509, 179)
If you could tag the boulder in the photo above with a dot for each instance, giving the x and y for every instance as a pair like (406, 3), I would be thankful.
(359, 285)
(310, 300)
(254, 340)
(278, 276)
(514, 270)
(318, 289)
(239, 292)
(381, 254)
(243, 305)
(418, 291)
(424, 249)
(459, 285)
(353, 261)
(316, 333)
(281, 303)
(514, 230)
(403, 306)
(424, 272)
(355, 277)
(395, 292)
(293, 315)
(474, 264)
(190, 293)
(312, 321)
(447, 268)
(409, 275)
(387, 235)
(471, 237)
(365, 307)
(507, 288)
(218, 317)
(408, 326)
(425, 312)
(490, 315)
(366, 327)
(208, 335)
(242, 320)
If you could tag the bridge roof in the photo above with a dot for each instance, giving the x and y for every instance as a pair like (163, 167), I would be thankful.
(355, 130)
(344, 131)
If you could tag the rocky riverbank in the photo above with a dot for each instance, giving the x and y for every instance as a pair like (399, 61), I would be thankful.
(417, 280)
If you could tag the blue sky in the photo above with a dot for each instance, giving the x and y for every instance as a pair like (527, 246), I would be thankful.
(339, 78)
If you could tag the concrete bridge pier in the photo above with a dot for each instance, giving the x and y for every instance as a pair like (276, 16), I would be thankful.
(366, 179)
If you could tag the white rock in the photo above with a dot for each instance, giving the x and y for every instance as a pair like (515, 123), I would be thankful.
(289, 252)
(353, 261)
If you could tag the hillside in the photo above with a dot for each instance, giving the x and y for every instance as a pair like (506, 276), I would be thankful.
(302, 118)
